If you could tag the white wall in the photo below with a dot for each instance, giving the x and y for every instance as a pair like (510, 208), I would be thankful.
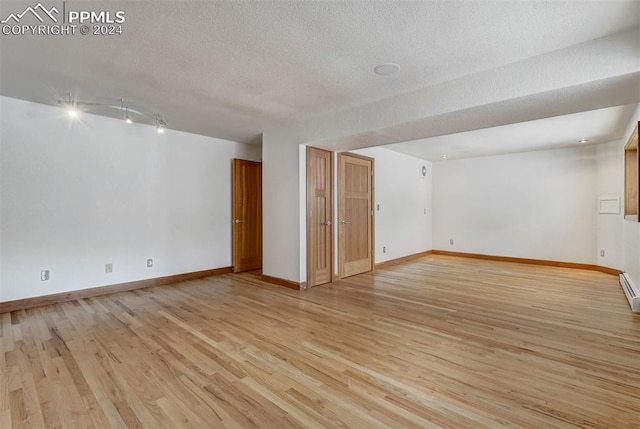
(539, 205)
(281, 212)
(77, 195)
(2, 137)
(403, 223)
(631, 228)
(302, 189)
(631, 250)
(610, 184)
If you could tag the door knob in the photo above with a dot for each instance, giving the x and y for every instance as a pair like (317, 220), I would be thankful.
(344, 222)
(327, 223)
(238, 221)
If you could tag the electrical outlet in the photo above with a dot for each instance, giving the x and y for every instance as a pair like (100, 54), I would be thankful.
(108, 268)
(44, 275)
(384, 249)
(378, 207)
(602, 252)
(149, 263)
(425, 211)
(451, 241)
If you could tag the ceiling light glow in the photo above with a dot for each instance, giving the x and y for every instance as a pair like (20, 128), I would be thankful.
(444, 156)
(583, 140)
(70, 106)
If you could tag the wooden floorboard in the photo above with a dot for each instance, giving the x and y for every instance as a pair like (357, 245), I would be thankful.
(436, 342)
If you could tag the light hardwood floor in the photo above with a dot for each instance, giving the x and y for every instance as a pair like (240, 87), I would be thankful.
(436, 342)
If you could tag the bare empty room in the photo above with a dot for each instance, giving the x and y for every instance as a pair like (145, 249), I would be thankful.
(314, 214)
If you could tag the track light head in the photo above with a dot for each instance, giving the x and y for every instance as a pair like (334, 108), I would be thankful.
(160, 125)
(70, 106)
(127, 118)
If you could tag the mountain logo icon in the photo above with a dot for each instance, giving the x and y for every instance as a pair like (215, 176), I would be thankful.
(38, 11)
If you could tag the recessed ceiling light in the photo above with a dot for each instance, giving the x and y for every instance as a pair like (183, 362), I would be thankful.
(386, 69)
(583, 140)
(444, 156)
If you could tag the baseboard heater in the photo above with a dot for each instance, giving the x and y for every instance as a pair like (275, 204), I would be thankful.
(632, 292)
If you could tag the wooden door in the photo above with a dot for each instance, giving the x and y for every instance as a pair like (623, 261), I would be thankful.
(247, 215)
(319, 216)
(355, 204)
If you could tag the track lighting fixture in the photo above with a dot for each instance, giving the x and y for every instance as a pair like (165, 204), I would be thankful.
(72, 105)
(127, 118)
(160, 124)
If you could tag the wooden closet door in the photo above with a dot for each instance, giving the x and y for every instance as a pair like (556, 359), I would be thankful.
(319, 216)
(355, 231)
(247, 215)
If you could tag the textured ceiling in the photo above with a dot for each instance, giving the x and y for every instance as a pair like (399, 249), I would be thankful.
(597, 126)
(231, 69)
